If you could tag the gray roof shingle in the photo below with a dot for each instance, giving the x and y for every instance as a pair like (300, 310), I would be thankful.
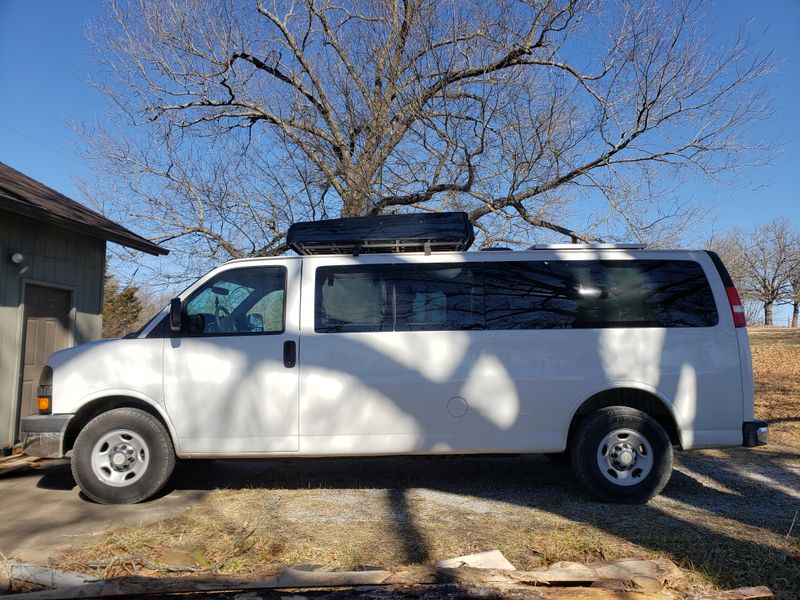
(23, 195)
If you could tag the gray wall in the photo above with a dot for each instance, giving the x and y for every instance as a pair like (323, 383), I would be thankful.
(53, 256)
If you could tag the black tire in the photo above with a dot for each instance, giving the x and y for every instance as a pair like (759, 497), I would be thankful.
(617, 428)
(138, 441)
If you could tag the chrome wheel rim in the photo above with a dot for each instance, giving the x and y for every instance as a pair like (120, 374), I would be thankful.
(120, 458)
(625, 457)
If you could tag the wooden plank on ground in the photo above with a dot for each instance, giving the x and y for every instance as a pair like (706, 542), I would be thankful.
(658, 570)
(493, 559)
(20, 462)
(619, 577)
(760, 592)
(661, 569)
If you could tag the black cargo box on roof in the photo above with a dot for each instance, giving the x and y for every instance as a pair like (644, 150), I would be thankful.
(417, 232)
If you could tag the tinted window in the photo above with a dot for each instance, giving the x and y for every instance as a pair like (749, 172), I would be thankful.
(438, 298)
(678, 293)
(529, 295)
(237, 302)
(398, 298)
(598, 294)
(353, 299)
(514, 295)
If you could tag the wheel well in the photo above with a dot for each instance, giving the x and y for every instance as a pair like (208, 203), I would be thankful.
(96, 407)
(632, 398)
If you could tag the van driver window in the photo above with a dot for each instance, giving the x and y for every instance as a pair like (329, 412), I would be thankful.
(238, 302)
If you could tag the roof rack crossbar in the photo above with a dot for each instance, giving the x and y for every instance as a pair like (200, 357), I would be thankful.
(591, 246)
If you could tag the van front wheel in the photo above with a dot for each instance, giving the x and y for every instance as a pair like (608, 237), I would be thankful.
(122, 456)
(621, 454)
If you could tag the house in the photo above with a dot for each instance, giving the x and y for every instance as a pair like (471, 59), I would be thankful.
(52, 263)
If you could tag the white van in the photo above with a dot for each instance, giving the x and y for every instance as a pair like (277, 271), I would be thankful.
(390, 339)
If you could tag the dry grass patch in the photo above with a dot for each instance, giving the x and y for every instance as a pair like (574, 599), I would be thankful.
(776, 369)
(716, 536)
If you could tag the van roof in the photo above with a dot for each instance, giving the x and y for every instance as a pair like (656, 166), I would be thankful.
(532, 250)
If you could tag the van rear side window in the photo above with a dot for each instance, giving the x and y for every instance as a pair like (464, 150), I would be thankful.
(513, 295)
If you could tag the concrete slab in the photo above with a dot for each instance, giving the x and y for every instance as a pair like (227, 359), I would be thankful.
(42, 509)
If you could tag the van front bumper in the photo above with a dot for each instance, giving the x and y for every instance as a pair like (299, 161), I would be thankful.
(755, 433)
(43, 435)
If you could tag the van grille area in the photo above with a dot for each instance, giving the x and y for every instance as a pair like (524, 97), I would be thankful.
(418, 232)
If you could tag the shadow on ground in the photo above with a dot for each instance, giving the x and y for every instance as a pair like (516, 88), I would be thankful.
(724, 512)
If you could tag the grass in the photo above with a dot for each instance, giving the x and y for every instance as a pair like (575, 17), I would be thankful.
(776, 365)
(725, 517)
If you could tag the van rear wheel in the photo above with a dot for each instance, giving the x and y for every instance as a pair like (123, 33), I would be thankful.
(122, 456)
(621, 454)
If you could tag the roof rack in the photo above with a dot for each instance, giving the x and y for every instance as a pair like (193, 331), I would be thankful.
(415, 232)
(591, 246)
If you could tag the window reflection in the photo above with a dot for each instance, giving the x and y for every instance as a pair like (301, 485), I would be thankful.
(239, 301)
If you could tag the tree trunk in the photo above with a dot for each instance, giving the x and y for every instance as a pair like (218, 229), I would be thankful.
(768, 313)
(795, 311)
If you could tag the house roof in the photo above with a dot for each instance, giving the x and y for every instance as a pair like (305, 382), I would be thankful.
(23, 195)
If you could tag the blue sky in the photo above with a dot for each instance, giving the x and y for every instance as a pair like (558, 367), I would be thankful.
(44, 66)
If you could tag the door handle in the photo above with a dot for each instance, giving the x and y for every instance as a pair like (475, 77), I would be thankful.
(289, 354)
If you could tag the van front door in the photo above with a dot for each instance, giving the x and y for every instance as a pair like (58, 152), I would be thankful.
(230, 375)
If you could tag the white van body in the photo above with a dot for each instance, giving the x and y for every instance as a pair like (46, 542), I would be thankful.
(349, 393)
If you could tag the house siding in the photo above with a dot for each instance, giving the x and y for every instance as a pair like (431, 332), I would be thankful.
(56, 257)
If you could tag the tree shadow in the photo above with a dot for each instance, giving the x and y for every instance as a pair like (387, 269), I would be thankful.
(706, 526)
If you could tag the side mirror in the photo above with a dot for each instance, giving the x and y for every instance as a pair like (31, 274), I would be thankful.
(175, 314)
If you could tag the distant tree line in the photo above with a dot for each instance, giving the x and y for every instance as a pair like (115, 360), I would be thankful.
(126, 308)
(764, 263)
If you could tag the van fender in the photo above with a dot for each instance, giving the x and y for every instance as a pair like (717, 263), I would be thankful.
(134, 394)
(610, 386)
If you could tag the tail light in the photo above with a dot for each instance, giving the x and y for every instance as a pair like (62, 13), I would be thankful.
(737, 310)
(736, 307)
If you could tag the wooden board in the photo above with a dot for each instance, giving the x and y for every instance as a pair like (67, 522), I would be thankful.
(616, 580)
(20, 462)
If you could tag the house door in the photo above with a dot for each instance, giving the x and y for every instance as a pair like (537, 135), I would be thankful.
(47, 329)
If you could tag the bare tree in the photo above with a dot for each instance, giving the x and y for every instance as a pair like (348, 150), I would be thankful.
(237, 118)
(794, 293)
(765, 260)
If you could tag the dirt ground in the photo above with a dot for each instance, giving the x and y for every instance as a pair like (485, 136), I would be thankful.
(729, 517)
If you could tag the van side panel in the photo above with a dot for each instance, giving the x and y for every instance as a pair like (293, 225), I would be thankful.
(721, 403)
(126, 367)
(432, 391)
(506, 391)
(700, 374)
(512, 391)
